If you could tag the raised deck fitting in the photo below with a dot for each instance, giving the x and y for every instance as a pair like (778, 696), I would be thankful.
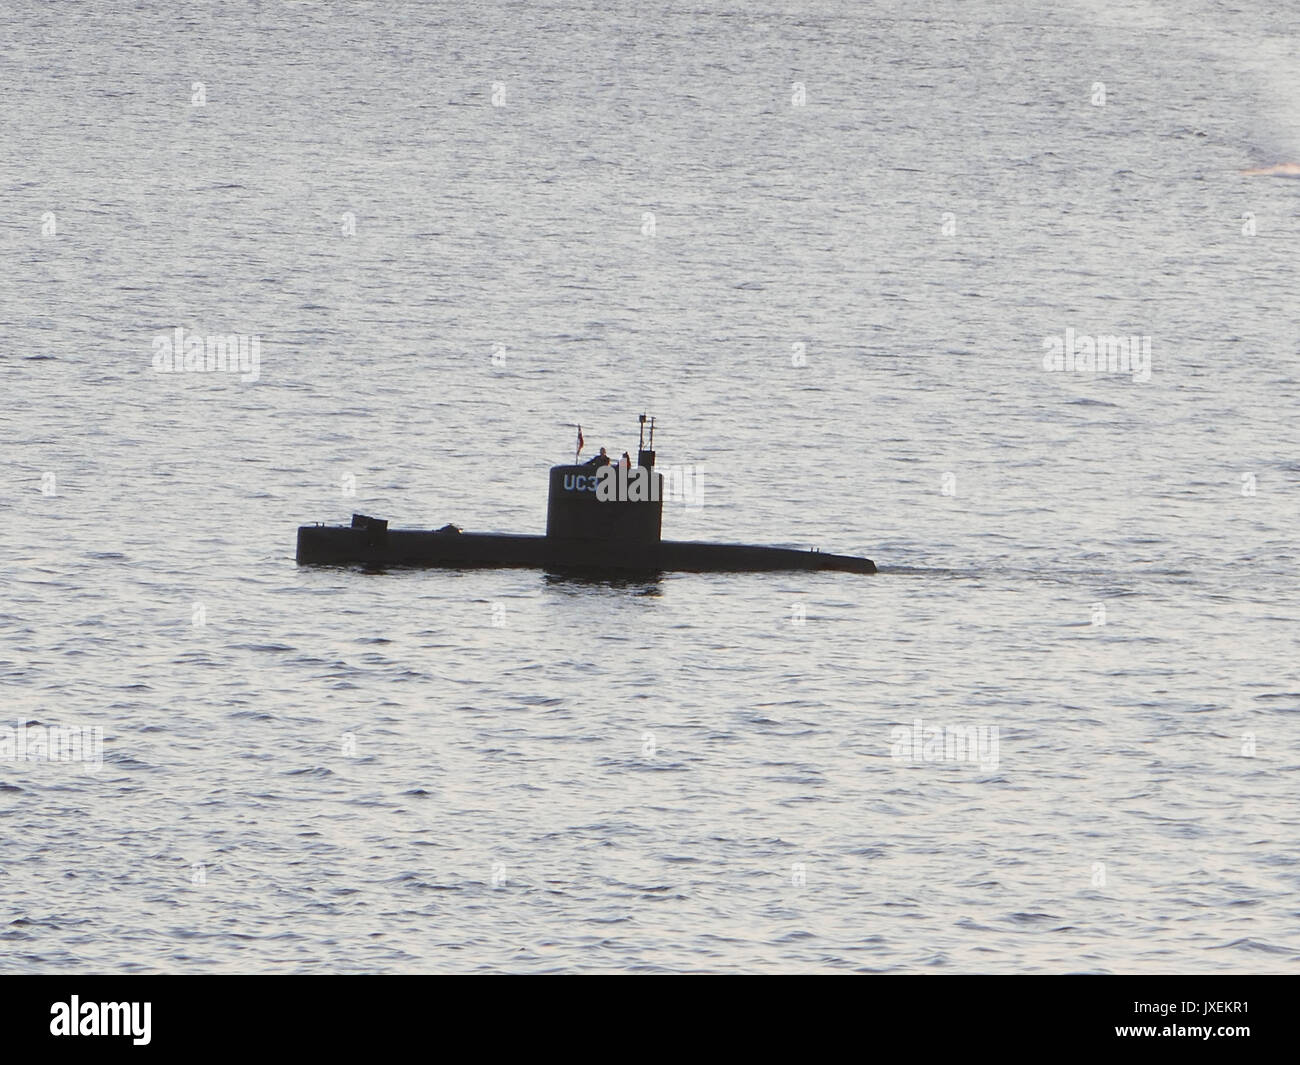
(585, 530)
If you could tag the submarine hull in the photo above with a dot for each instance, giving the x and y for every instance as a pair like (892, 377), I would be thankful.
(340, 545)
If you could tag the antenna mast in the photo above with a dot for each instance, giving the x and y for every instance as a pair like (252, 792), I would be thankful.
(646, 456)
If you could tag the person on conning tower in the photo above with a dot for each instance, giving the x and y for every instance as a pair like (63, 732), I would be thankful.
(598, 460)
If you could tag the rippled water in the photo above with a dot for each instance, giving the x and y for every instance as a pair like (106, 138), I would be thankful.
(457, 230)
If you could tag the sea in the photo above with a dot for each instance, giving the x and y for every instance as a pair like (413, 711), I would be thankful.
(981, 291)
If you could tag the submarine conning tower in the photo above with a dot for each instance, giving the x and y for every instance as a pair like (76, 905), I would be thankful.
(618, 506)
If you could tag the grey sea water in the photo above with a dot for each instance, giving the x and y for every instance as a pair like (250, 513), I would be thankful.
(828, 247)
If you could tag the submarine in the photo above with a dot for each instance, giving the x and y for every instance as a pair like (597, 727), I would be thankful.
(599, 519)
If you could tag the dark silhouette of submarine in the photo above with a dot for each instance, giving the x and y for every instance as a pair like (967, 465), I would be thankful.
(584, 532)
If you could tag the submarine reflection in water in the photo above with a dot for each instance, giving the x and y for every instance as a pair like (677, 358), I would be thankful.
(597, 520)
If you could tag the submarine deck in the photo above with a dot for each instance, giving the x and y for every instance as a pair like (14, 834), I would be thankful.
(340, 545)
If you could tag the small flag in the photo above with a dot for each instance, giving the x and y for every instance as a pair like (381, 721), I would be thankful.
(579, 451)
